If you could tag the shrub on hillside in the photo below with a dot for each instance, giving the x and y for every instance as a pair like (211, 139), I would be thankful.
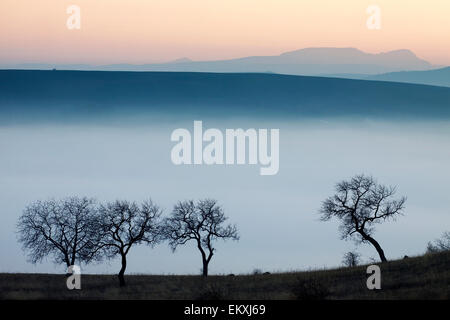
(439, 245)
(310, 289)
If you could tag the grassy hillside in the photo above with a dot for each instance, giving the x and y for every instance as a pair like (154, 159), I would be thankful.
(61, 96)
(424, 277)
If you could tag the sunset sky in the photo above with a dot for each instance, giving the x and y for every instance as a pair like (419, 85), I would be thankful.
(145, 31)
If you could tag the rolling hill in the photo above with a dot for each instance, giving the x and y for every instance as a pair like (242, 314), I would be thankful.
(61, 96)
(424, 277)
(436, 77)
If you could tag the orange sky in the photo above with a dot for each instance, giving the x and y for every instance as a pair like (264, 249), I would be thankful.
(142, 31)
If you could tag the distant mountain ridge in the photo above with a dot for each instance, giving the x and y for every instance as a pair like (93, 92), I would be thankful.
(308, 61)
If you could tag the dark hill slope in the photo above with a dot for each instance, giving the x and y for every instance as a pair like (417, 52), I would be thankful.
(27, 95)
(424, 277)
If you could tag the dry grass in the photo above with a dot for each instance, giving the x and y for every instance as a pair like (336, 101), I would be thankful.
(424, 277)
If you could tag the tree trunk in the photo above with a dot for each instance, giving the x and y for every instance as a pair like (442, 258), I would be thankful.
(68, 274)
(205, 261)
(122, 270)
(376, 245)
(205, 268)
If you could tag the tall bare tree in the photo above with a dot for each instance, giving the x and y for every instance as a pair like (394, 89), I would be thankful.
(360, 203)
(125, 224)
(65, 229)
(202, 222)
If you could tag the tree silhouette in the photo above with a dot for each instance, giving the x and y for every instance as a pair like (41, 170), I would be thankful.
(439, 245)
(201, 222)
(66, 229)
(125, 224)
(351, 259)
(360, 203)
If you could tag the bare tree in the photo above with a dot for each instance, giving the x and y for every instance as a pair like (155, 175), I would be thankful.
(351, 259)
(125, 224)
(360, 203)
(439, 245)
(201, 222)
(65, 229)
